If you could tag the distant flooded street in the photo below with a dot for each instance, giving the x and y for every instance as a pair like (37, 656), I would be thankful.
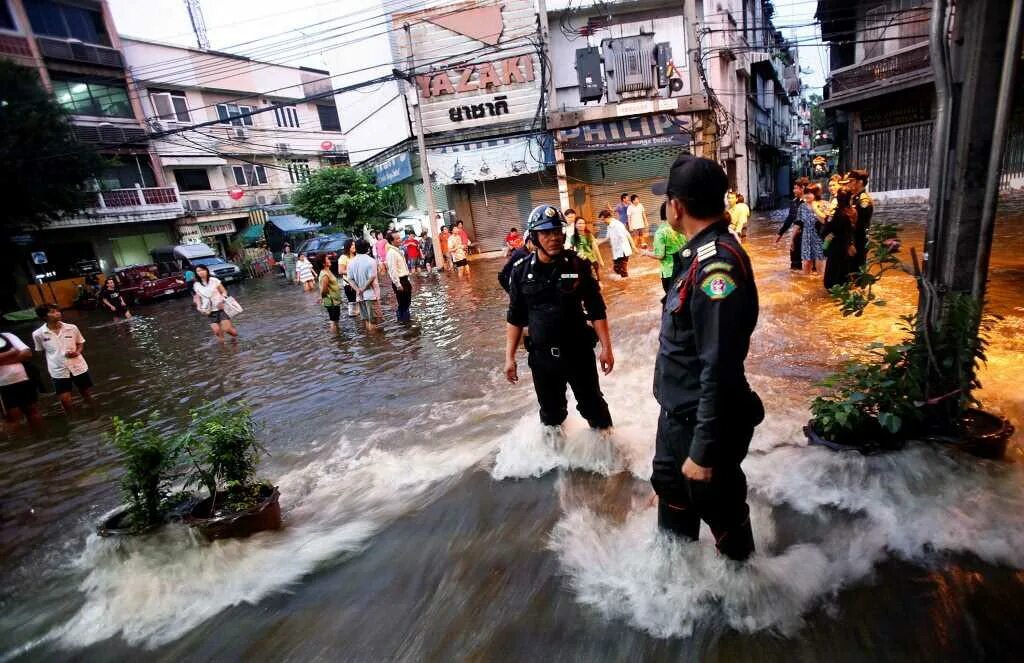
(425, 520)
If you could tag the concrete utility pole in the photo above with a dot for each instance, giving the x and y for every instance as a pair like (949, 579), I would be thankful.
(549, 91)
(428, 187)
(974, 80)
(709, 127)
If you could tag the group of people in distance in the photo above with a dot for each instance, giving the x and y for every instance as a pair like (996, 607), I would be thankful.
(830, 237)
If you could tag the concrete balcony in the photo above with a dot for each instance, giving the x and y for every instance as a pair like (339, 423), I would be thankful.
(900, 70)
(137, 205)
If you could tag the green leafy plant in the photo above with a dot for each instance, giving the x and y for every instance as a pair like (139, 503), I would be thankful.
(347, 198)
(221, 444)
(855, 295)
(149, 460)
(892, 391)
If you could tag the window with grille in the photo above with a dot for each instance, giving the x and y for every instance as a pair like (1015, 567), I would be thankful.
(287, 116)
(88, 98)
(298, 170)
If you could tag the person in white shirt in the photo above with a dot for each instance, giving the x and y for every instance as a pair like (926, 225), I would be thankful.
(62, 343)
(362, 274)
(637, 215)
(17, 389)
(398, 270)
(457, 252)
(621, 243)
(209, 296)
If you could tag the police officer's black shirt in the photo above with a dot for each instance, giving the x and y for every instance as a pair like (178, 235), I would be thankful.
(703, 344)
(555, 300)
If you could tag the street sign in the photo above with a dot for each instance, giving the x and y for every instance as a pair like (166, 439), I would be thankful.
(39, 258)
(395, 169)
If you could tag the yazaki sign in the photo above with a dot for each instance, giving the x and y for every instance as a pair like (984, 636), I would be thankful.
(486, 72)
(477, 78)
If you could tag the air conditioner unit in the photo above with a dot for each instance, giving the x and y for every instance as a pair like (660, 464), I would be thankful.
(240, 132)
(215, 204)
(196, 205)
(282, 198)
(261, 200)
(282, 148)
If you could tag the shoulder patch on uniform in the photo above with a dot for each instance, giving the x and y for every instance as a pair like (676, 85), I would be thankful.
(719, 266)
(718, 286)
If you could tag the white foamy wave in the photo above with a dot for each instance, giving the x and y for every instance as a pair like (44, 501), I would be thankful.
(857, 511)
(154, 590)
(530, 451)
(665, 587)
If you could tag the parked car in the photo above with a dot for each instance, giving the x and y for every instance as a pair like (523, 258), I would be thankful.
(144, 283)
(317, 247)
(171, 259)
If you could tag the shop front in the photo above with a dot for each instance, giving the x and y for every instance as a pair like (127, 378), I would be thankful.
(494, 184)
(608, 158)
(216, 234)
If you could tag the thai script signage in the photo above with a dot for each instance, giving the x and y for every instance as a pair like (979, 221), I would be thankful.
(626, 133)
(494, 108)
(395, 169)
(217, 228)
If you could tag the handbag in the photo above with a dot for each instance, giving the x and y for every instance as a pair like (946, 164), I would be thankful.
(232, 307)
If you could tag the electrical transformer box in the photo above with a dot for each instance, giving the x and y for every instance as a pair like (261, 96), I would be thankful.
(588, 70)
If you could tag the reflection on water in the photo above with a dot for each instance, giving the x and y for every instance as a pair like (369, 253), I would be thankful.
(426, 519)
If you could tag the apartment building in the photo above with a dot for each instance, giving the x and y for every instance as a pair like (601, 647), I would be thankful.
(755, 81)
(78, 56)
(267, 136)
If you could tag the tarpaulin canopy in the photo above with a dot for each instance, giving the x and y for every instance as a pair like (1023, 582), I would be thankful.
(292, 223)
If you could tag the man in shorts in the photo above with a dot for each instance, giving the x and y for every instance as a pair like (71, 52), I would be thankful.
(362, 274)
(62, 343)
(17, 389)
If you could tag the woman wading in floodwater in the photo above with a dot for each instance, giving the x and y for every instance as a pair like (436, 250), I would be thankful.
(209, 297)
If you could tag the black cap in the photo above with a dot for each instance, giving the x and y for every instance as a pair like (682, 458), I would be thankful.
(660, 188)
(701, 183)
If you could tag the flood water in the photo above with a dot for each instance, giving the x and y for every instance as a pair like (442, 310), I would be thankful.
(425, 520)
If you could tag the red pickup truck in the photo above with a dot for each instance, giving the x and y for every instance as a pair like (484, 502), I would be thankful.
(144, 284)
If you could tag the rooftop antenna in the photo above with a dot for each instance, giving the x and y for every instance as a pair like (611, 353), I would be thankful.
(195, 14)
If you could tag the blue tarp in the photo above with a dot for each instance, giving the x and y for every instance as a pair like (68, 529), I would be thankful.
(292, 223)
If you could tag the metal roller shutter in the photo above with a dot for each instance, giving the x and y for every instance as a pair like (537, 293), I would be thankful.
(501, 204)
(440, 196)
(607, 175)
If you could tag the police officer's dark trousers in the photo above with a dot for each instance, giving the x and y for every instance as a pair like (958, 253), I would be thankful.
(720, 502)
(553, 369)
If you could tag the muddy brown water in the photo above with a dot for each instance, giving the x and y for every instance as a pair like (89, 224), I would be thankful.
(426, 521)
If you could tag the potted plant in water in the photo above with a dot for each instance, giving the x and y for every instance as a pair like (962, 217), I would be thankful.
(149, 460)
(922, 387)
(222, 447)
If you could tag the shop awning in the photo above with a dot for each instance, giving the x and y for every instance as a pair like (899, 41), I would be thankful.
(292, 223)
(193, 161)
(253, 234)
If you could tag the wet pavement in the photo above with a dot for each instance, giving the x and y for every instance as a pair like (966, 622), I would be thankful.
(426, 521)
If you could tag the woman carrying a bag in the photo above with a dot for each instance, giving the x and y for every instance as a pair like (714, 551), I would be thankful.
(211, 299)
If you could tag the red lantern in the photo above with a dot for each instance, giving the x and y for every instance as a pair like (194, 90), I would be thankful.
(326, 146)
(236, 193)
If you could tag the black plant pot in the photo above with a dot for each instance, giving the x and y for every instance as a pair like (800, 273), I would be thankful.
(982, 434)
(118, 524)
(266, 515)
(870, 443)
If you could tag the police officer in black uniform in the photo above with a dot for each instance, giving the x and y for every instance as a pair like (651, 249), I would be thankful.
(553, 293)
(857, 182)
(708, 411)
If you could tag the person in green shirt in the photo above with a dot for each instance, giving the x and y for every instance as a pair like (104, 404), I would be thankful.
(584, 243)
(667, 243)
(330, 291)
